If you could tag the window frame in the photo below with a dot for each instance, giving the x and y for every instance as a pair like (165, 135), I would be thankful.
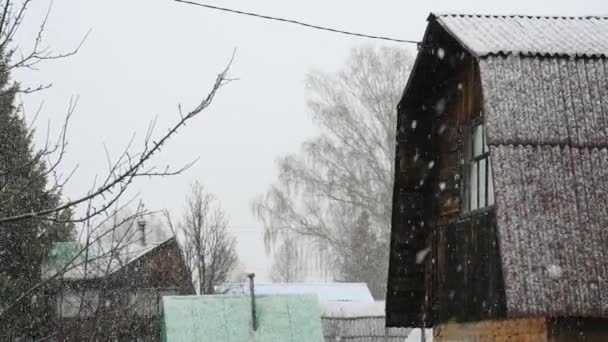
(77, 303)
(471, 159)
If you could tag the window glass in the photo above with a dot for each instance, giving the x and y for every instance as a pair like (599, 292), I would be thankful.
(473, 186)
(479, 184)
(477, 140)
(71, 303)
(482, 183)
(143, 302)
(490, 184)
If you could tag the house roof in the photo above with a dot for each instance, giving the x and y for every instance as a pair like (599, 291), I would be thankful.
(94, 264)
(547, 128)
(484, 35)
(349, 292)
(358, 321)
(228, 318)
(361, 329)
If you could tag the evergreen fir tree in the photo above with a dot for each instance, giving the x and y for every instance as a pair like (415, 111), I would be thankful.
(23, 188)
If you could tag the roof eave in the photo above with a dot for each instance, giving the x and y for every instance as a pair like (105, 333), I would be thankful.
(475, 54)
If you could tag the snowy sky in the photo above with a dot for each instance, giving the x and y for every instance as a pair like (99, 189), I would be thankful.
(144, 57)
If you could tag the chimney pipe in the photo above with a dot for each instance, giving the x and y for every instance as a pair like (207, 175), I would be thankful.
(254, 319)
(141, 224)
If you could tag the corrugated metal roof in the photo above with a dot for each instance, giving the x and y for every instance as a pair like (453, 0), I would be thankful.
(361, 329)
(552, 218)
(486, 35)
(358, 322)
(547, 124)
(349, 292)
(546, 100)
(228, 318)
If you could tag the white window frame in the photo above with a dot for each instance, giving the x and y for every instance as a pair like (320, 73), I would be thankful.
(479, 183)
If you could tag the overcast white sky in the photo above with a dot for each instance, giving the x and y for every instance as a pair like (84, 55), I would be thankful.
(143, 57)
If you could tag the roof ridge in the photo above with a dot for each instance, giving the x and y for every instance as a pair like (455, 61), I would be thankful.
(530, 16)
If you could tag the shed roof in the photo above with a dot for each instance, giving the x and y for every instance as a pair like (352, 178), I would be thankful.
(348, 292)
(358, 322)
(228, 318)
(95, 263)
(361, 329)
(484, 35)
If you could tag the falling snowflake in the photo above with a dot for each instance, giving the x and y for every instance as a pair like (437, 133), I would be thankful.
(442, 129)
(414, 124)
(442, 186)
(431, 164)
(440, 53)
(554, 271)
(421, 255)
(440, 106)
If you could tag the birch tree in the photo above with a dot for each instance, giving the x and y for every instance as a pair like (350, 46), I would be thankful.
(347, 170)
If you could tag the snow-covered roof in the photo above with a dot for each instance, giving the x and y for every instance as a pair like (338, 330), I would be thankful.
(358, 321)
(352, 309)
(528, 35)
(348, 292)
(95, 263)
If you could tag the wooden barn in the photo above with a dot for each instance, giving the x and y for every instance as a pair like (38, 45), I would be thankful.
(104, 299)
(500, 205)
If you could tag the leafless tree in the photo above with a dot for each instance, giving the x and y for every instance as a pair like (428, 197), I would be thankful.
(209, 248)
(285, 265)
(94, 209)
(347, 171)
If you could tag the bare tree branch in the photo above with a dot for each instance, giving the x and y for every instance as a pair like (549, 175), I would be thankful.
(119, 180)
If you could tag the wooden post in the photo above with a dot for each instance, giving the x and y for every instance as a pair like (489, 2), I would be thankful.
(254, 320)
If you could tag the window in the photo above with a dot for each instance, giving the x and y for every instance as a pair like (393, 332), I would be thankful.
(143, 302)
(73, 303)
(479, 183)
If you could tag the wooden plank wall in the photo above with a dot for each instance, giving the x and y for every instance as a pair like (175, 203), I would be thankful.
(524, 330)
(466, 281)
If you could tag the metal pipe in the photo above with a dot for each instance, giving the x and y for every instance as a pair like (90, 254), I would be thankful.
(254, 319)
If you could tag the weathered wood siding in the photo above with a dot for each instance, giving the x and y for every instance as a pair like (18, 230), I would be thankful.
(466, 273)
(513, 330)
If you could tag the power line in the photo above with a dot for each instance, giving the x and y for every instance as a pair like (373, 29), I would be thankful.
(296, 22)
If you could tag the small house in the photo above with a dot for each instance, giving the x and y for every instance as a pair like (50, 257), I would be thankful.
(237, 318)
(500, 204)
(107, 298)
